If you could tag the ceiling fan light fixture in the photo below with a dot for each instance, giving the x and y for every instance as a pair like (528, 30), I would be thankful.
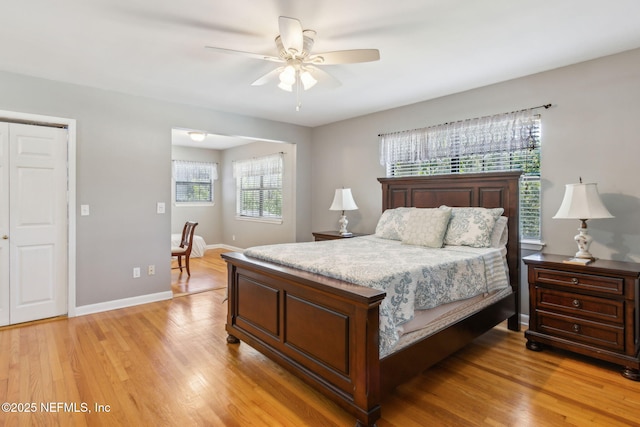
(308, 81)
(288, 75)
(197, 136)
(285, 87)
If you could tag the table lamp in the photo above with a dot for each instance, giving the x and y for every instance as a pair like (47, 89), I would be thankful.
(343, 201)
(582, 202)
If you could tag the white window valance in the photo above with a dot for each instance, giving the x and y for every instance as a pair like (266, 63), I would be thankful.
(491, 134)
(259, 166)
(185, 170)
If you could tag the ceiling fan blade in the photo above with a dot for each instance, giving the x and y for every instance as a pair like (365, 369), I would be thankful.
(291, 34)
(268, 78)
(345, 56)
(323, 77)
(246, 54)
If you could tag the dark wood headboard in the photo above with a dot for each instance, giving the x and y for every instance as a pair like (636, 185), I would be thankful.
(488, 190)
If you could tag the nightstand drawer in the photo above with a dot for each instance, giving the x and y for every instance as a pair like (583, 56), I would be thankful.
(592, 309)
(581, 330)
(582, 306)
(578, 281)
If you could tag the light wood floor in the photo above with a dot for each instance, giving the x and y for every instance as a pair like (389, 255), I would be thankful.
(207, 273)
(168, 364)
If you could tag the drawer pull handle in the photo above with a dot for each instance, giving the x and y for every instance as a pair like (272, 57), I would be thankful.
(576, 303)
(576, 328)
(575, 281)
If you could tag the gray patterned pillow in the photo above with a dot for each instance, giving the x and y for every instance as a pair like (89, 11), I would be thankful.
(392, 222)
(500, 233)
(471, 227)
(426, 227)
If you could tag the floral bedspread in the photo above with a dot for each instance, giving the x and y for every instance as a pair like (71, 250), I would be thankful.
(413, 277)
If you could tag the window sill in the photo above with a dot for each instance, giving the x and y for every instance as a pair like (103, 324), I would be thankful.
(264, 220)
(192, 204)
(532, 245)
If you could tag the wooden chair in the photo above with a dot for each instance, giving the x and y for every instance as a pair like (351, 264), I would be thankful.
(184, 250)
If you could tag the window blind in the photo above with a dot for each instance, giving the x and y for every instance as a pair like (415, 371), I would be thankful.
(194, 181)
(490, 144)
(259, 187)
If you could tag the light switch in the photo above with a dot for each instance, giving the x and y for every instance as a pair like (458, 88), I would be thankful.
(160, 207)
(84, 210)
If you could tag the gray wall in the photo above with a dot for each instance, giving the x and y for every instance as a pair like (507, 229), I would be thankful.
(209, 218)
(592, 131)
(123, 170)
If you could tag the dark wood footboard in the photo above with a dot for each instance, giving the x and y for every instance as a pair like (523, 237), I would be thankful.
(323, 330)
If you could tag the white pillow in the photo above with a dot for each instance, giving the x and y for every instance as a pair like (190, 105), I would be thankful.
(392, 222)
(471, 226)
(500, 233)
(426, 227)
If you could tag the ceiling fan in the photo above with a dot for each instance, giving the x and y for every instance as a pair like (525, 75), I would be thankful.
(299, 66)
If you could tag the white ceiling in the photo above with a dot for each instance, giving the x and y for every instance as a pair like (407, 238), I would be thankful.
(428, 48)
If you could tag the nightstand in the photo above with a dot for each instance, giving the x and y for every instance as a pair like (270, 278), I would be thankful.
(593, 310)
(332, 235)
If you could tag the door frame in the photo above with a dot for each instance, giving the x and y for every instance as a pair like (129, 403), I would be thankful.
(70, 124)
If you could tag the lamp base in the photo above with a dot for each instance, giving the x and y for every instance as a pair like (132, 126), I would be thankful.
(583, 239)
(343, 226)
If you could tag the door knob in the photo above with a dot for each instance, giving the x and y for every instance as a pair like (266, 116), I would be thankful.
(5, 237)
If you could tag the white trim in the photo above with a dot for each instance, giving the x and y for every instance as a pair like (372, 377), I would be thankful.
(532, 245)
(192, 204)
(524, 320)
(259, 219)
(123, 303)
(223, 246)
(71, 194)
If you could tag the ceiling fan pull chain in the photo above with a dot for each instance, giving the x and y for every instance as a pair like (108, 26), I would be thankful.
(298, 103)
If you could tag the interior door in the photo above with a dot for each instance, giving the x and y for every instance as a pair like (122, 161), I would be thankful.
(4, 223)
(37, 222)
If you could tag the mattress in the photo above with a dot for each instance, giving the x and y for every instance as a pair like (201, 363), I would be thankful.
(413, 277)
(198, 247)
(429, 322)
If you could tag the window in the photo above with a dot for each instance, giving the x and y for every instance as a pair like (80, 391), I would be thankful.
(259, 187)
(194, 181)
(489, 144)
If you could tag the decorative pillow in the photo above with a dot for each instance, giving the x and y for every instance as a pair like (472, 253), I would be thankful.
(392, 222)
(500, 233)
(426, 227)
(471, 227)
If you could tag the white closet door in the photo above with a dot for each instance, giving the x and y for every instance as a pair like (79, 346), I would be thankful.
(4, 224)
(37, 222)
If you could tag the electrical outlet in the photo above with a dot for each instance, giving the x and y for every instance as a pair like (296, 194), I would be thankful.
(136, 272)
(233, 237)
(151, 270)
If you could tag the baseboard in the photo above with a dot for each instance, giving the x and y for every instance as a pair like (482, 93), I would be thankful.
(122, 303)
(222, 246)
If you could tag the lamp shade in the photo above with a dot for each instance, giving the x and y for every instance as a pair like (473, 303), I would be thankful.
(343, 200)
(582, 201)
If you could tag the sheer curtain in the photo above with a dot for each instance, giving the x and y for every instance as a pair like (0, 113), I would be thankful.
(491, 134)
(189, 171)
(259, 166)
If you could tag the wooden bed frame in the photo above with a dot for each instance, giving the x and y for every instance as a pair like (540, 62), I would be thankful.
(325, 331)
